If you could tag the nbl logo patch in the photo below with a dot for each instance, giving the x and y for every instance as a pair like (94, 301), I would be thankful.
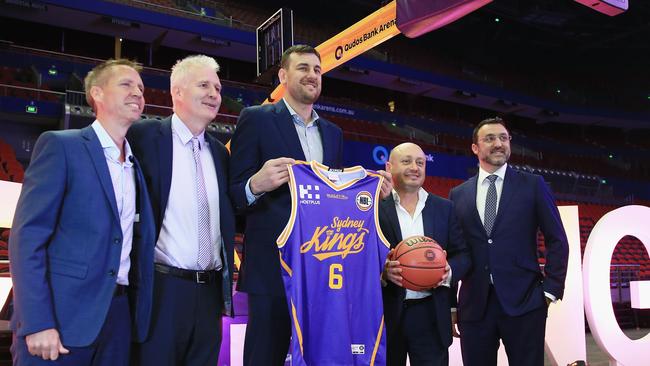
(358, 349)
(364, 200)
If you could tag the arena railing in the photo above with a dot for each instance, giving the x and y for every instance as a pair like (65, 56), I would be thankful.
(228, 21)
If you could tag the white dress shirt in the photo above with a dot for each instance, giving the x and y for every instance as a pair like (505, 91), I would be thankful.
(308, 133)
(412, 225)
(310, 141)
(482, 185)
(123, 180)
(178, 243)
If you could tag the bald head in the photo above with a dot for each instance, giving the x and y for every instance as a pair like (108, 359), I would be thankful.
(406, 148)
(407, 163)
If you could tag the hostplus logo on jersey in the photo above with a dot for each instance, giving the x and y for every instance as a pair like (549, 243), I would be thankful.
(308, 194)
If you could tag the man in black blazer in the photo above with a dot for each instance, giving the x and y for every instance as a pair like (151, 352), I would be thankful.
(186, 170)
(419, 322)
(506, 295)
(267, 138)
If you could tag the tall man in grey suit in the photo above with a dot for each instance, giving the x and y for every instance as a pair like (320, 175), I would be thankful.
(505, 296)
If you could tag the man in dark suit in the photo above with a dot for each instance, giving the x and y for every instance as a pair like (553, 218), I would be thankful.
(186, 170)
(419, 322)
(81, 245)
(268, 138)
(506, 296)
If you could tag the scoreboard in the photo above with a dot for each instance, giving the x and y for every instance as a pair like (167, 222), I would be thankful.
(273, 37)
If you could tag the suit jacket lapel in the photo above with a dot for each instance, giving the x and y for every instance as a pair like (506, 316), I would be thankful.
(509, 186)
(472, 204)
(428, 218)
(218, 168)
(140, 189)
(165, 157)
(101, 167)
(391, 214)
(284, 122)
(142, 198)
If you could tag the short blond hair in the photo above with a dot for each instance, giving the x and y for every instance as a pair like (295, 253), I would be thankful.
(100, 73)
(184, 67)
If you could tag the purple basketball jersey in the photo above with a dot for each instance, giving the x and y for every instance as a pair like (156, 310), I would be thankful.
(332, 254)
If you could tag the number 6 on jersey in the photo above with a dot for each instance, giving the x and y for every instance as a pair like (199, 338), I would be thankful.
(336, 276)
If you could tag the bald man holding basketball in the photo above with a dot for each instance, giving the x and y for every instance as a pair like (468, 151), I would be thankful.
(418, 323)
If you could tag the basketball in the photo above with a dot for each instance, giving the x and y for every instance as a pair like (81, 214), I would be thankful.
(422, 261)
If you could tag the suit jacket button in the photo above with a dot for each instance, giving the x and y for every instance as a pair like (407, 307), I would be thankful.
(111, 273)
(116, 241)
(487, 268)
(489, 241)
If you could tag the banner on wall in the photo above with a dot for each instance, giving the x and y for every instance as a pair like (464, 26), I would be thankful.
(374, 156)
(367, 33)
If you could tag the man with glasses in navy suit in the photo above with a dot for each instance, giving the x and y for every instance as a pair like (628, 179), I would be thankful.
(505, 296)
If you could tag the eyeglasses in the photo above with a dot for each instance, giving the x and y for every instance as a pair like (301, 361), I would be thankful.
(504, 137)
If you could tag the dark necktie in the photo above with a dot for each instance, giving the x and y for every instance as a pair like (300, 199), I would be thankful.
(490, 205)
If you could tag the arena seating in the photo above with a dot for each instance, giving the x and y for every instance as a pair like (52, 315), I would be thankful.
(629, 251)
(10, 168)
(366, 131)
(4, 248)
(577, 89)
(559, 153)
(440, 185)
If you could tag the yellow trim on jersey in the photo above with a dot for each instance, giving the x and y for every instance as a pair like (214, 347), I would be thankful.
(284, 235)
(297, 326)
(285, 266)
(302, 162)
(374, 351)
(237, 259)
(376, 208)
(317, 168)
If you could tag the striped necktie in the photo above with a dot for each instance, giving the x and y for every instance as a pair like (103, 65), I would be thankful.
(204, 258)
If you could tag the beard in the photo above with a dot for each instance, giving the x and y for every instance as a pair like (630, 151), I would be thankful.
(498, 160)
(303, 96)
(307, 98)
